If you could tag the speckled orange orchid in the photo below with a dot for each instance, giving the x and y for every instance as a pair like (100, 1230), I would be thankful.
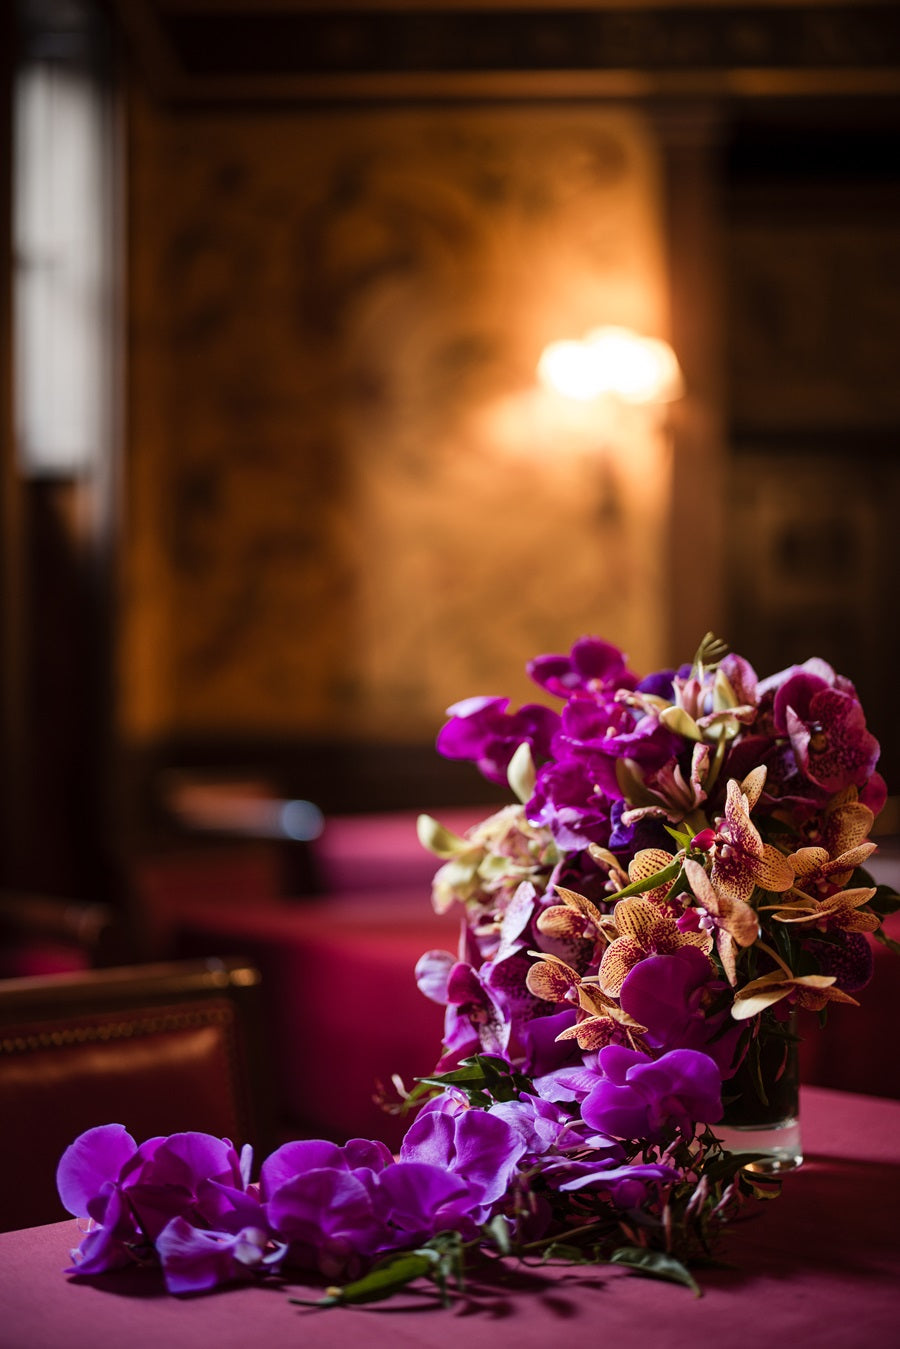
(841, 912)
(740, 859)
(735, 922)
(574, 928)
(815, 870)
(600, 1019)
(644, 929)
(844, 846)
(847, 822)
(812, 992)
(608, 862)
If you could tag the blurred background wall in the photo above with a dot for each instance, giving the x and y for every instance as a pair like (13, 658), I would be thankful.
(327, 495)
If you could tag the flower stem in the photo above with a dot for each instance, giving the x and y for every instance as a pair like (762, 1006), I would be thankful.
(776, 957)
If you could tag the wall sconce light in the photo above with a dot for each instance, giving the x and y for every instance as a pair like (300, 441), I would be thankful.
(615, 362)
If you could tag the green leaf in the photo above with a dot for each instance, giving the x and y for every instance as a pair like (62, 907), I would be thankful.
(681, 837)
(459, 1077)
(383, 1279)
(668, 873)
(569, 1254)
(885, 900)
(885, 940)
(656, 1265)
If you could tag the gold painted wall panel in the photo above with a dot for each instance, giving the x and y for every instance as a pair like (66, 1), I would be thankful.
(348, 503)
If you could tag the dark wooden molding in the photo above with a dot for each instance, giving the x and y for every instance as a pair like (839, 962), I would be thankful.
(198, 52)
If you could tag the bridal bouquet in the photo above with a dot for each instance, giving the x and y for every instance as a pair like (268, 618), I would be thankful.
(681, 865)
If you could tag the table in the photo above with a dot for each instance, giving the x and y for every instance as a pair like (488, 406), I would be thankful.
(820, 1266)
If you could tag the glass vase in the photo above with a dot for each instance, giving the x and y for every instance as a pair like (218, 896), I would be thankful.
(762, 1099)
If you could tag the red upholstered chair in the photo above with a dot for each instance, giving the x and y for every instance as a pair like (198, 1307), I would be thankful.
(158, 1048)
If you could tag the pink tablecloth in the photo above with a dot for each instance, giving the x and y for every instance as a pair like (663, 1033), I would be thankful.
(818, 1267)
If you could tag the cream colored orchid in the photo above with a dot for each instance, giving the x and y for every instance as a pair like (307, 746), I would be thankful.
(812, 992)
(483, 870)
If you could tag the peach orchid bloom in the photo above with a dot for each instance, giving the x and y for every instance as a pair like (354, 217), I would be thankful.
(842, 912)
(644, 929)
(600, 1020)
(735, 922)
(844, 846)
(741, 861)
(575, 927)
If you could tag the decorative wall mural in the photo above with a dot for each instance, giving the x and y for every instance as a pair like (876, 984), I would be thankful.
(347, 503)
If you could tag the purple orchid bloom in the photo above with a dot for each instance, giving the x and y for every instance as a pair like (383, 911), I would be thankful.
(571, 1083)
(567, 801)
(541, 1124)
(628, 1185)
(89, 1182)
(481, 729)
(316, 1154)
(327, 1219)
(538, 1049)
(670, 995)
(477, 1145)
(505, 982)
(337, 1207)
(196, 1260)
(599, 734)
(132, 1193)
(646, 1098)
(475, 1022)
(660, 684)
(90, 1168)
(192, 1175)
(416, 1199)
(852, 962)
(630, 838)
(592, 666)
(827, 731)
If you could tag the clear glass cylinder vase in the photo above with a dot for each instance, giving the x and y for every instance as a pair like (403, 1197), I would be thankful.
(762, 1099)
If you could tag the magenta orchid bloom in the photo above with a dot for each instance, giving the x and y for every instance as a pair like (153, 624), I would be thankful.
(827, 731)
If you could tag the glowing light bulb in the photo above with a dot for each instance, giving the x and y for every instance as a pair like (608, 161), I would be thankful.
(612, 361)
